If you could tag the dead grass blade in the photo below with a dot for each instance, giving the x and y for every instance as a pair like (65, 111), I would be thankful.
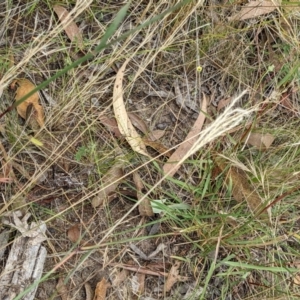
(140, 269)
(71, 28)
(254, 9)
(169, 168)
(124, 124)
(30, 108)
(145, 207)
(242, 190)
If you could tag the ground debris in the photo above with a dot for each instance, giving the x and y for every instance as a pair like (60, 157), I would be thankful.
(26, 259)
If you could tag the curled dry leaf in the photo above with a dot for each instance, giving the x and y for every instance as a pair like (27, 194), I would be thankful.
(30, 105)
(157, 134)
(62, 289)
(111, 125)
(74, 233)
(101, 288)
(159, 147)
(142, 126)
(89, 293)
(119, 277)
(141, 283)
(124, 124)
(260, 140)
(145, 207)
(223, 103)
(242, 190)
(173, 277)
(173, 164)
(5, 180)
(69, 26)
(255, 8)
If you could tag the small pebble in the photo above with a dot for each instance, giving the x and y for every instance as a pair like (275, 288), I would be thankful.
(162, 126)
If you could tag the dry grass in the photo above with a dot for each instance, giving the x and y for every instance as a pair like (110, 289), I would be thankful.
(225, 251)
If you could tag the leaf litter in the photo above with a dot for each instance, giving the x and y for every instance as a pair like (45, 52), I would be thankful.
(70, 27)
(242, 190)
(262, 141)
(30, 109)
(145, 208)
(255, 9)
(124, 123)
(110, 181)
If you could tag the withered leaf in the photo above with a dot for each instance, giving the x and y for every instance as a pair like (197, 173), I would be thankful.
(110, 182)
(145, 207)
(124, 123)
(62, 289)
(241, 188)
(260, 140)
(173, 277)
(101, 288)
(111, 125)
(74, 233)
(255, 8)
(25, 86)
(70, 27)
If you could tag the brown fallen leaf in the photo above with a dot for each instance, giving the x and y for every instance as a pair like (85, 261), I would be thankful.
(254, 9)
(157, 134)
(30, 109)
(6, 180)
(142, 126)
(119, 277)
(242, 190)
(141, 283)
(260, 140)
(145, 207)
(110, 182)
(74, 233)
(223, 103)
(62, 289)
(69, 26)
(172, 165)
(89, 293)
(124, 124)
(110, 124)
(160, 148)
(101, 288)
(173, 277)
